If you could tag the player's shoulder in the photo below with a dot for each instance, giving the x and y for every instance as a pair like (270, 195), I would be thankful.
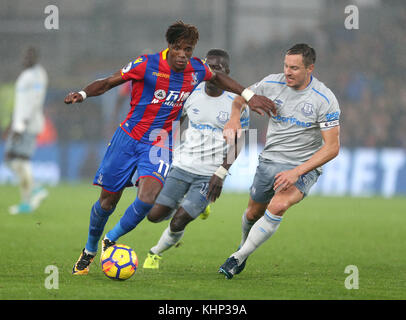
(229, 96)
(26, 76)
(198, 63)
(271, 80)
(275, 78)
(197, 91)
(322, 92)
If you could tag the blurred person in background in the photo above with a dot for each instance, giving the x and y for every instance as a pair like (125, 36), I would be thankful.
(26, 124)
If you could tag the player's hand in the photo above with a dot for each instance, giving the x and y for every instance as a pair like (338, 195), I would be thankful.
(262, 105)
(285, 179)
(73, 97)
(215, 188)
(231, 130)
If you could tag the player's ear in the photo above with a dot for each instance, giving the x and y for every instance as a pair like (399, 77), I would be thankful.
(310, 68)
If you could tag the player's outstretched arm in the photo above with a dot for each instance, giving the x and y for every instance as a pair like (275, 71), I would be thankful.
(259, 104)
(96, 88)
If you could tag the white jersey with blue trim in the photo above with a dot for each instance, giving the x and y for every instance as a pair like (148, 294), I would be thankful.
(294, 134)
(30, 93)
(203, 148)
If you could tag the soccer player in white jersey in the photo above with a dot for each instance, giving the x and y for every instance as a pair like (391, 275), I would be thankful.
(301, 138)
(200, 163)
(27, 122)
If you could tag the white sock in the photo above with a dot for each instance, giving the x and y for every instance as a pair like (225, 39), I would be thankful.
(261, 231)
(23, 170)
(246, 226)
(167, 240)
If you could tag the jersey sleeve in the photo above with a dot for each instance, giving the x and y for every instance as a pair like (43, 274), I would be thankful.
(202, 65)
(329, 113)
(125, 89)
(258, 88)
(23, 105)
(209, 73)
(135, 70)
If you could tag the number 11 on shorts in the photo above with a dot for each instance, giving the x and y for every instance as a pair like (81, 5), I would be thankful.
(161, 167)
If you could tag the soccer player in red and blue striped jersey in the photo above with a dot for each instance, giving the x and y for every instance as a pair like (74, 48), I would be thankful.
(161, 83)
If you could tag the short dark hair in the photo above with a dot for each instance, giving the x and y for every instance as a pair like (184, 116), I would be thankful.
(182, 31)
(219, 53)
(308, 53)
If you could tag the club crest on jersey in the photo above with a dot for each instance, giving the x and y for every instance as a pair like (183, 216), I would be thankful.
(160, 94)
(223, 117)
(195, 80)
(306, 108)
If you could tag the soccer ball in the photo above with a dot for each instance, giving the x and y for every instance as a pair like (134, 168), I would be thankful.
(119, 262)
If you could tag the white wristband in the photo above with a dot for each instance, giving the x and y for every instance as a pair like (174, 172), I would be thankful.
(221, 172)
(83, 94)
(247, 94)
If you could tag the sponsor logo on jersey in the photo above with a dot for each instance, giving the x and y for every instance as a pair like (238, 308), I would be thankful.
(329, 124)
(292, 120)
(162, 75)
(195, 111)
(160, 94)
(173, 97)
(332, 116)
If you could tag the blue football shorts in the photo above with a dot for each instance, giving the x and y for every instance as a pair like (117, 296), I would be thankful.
(186, 189)
(262, 187)
(125, 157)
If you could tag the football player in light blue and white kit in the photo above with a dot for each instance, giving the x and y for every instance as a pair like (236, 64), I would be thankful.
(27, 123)
(301, 137)
(202, 157)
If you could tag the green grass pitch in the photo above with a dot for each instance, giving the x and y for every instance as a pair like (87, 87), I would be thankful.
(305, 259)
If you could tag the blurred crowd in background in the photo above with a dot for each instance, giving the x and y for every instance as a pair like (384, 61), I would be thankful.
(364, 67)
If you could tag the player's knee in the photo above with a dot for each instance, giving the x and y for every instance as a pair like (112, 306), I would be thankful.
(177, 224)
(278, 207)
(153, 217)
(253, 213)
(148, 197)
(108, 203)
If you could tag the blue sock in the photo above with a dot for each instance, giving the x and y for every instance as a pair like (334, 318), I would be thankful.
(98, 219)
(134, 214)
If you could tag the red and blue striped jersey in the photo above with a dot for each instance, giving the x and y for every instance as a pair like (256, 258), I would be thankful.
(158, 94)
